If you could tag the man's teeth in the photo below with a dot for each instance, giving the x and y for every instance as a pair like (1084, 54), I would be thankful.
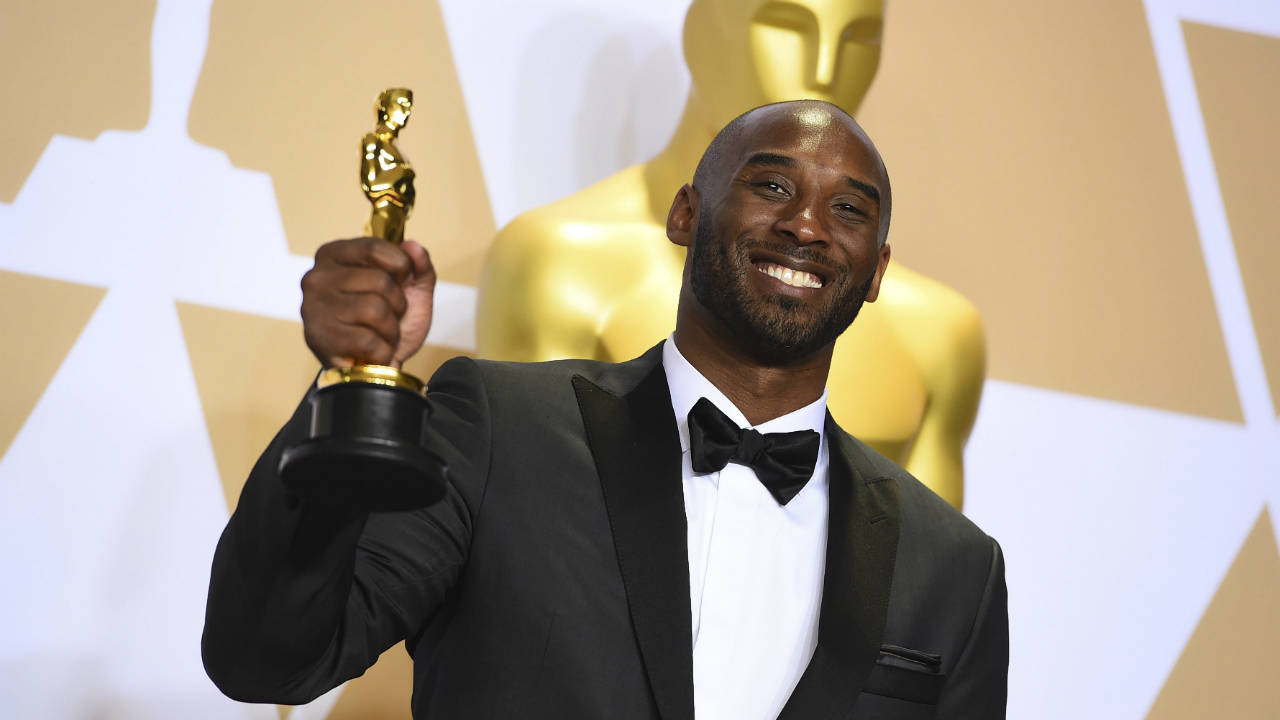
(794, 278)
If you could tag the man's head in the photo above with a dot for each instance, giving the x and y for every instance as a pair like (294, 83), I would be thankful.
(786, 222)
(745, 53)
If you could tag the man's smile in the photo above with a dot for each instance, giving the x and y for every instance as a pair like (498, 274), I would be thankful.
(790, 271)
(793, 278)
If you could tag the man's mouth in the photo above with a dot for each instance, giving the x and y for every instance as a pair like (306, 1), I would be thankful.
(789, 276)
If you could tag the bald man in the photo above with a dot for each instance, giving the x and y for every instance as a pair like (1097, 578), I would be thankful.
(687, 533)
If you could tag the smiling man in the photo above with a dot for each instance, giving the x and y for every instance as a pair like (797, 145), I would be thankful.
(689, 532)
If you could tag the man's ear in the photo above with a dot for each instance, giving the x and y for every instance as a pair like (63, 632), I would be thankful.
(682, 216)
(874, 291)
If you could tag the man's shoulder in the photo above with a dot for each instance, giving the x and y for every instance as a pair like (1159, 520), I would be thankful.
(921, 510)
(540, 377)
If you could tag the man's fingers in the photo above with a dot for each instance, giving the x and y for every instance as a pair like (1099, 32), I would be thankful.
(365, 298)
(367, 252)
(371, 311)
(424, 271)
(366, 346)
(350, 345)
(375, 281)
(417, 255)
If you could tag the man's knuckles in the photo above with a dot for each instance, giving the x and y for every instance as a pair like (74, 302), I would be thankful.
(376, 252)
(312, 282)
(369, 346)
(370, 310)
(386, 286)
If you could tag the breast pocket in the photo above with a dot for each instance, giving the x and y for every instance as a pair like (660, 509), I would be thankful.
(904, 683)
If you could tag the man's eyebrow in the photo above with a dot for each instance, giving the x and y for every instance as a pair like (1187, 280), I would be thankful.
(864, 188)
(768, 158)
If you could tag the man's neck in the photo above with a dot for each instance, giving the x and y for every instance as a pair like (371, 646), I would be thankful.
(762, 392)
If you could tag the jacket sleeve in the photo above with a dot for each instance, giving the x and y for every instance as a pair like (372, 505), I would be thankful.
(303, 597)
(978, 686)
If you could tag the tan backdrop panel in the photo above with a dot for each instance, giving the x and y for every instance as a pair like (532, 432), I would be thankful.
(71, 67)
(288, 88)
(1237, 74)
(1035, 170)
(40, 320)
(382, 693)
(1227, 669)
(251, 372)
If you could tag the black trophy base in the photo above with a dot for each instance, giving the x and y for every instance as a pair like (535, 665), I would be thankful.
(365, 451)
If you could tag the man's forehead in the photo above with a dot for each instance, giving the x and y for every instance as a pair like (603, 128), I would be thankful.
(808, 131)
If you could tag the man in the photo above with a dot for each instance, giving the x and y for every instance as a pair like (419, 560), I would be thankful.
(612, 544)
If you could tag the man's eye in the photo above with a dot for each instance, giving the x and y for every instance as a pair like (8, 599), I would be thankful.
(772, 187)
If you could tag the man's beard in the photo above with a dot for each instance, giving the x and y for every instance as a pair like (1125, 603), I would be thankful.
(777, 329)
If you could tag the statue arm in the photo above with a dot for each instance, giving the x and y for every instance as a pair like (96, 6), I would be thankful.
(953, 363)
(378, 180)
(537, 297)
(368, 156)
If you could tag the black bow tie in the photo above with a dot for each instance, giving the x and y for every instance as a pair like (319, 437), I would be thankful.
(783, 461)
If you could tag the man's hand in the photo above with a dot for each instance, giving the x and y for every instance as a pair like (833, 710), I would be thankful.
(367, 301)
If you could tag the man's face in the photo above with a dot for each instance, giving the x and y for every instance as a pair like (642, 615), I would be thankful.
(788, 252)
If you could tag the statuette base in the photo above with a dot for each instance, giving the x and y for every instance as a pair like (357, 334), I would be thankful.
(366, 447)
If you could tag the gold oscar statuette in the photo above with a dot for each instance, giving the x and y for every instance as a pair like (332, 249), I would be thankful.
(369, 422)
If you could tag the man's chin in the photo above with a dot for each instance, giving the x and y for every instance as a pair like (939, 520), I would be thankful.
(781, 344)
(793, 335)
(778, 353)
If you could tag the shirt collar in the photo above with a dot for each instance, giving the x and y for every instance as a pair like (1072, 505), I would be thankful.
(687, 385)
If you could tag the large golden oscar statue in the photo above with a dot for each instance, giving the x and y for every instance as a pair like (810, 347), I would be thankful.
(593, 275)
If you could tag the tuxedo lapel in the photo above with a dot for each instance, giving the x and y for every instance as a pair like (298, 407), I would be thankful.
(634, 441)
(862, 542)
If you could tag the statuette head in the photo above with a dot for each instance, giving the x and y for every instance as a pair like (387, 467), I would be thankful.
(746, 53)
(393, 107)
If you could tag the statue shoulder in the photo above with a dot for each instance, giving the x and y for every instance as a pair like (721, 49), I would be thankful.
(606, 221)
(926, 302)
(588, 247)
(536, 241)
(941, 328)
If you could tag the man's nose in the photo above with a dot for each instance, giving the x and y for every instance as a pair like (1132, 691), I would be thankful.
(800, 222)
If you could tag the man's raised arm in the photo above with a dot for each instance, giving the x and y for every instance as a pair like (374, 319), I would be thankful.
(303, 595)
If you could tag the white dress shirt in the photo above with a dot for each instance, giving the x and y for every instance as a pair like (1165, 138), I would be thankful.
(755, 567)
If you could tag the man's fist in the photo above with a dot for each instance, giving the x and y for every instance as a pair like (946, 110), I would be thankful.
(367, 301)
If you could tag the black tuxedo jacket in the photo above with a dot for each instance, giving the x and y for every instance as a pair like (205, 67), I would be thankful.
(553, 582)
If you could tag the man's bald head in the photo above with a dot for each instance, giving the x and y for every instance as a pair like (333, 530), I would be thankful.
(729, 149)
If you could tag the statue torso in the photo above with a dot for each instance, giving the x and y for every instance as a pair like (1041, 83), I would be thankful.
(384, 172)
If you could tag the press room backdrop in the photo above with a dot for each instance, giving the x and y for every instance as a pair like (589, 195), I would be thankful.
(1097, 176)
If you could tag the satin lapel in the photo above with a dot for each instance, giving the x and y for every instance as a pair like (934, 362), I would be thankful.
(862, 544)
(636, 447)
